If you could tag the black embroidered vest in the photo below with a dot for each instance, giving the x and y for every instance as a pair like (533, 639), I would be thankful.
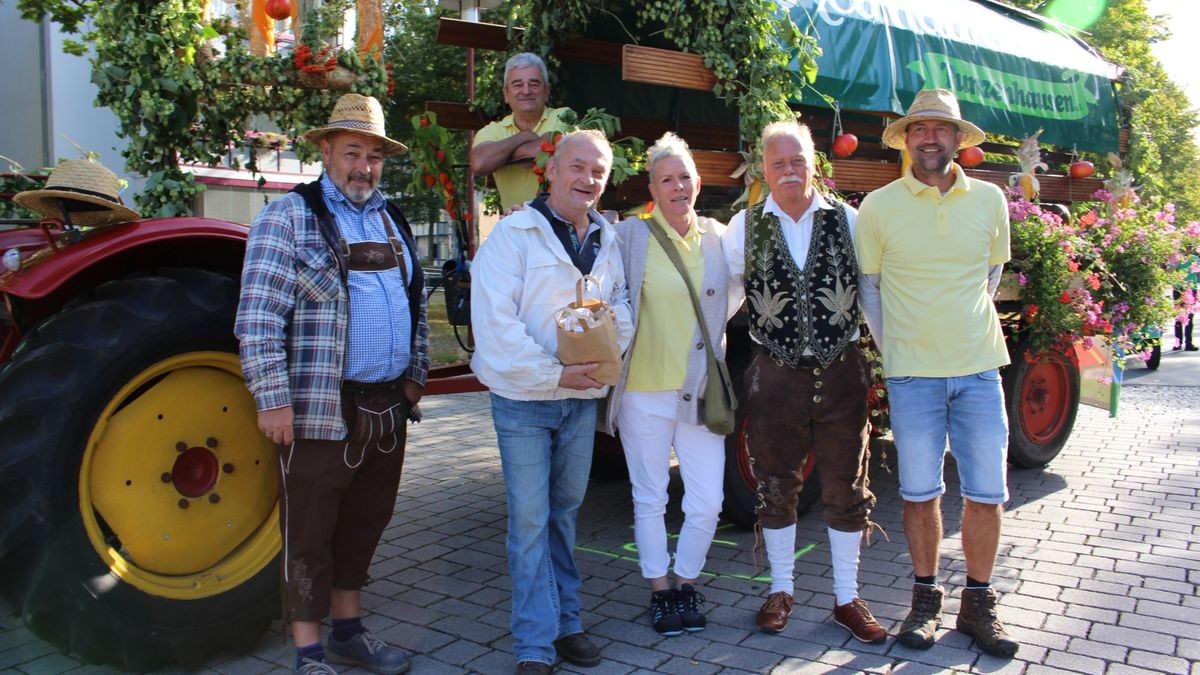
(792, 311)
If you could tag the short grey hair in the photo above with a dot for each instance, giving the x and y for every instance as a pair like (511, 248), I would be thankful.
(573, 136)
(796, 130)
(670, 145)
(526, 60)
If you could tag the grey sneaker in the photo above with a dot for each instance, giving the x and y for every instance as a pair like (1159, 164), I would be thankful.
(977, 618)
(920, 626)
(312, 667)
(368, 652)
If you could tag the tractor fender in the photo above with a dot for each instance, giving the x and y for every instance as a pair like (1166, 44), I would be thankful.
(47, 268)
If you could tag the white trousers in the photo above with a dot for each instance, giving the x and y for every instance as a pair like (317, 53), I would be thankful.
(648, 431)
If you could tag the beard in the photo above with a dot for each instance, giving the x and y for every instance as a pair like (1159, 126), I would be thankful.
(933, 162)
(357, 192)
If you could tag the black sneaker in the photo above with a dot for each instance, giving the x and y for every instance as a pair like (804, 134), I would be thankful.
(687, 603)
(664, 613)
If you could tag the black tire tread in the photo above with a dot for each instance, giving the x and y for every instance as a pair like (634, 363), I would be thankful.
(61, 375)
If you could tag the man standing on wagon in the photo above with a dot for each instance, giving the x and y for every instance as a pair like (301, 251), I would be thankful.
(505, 149)
(931, 246)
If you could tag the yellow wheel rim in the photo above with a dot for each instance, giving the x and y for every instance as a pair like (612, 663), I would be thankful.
(178, 488)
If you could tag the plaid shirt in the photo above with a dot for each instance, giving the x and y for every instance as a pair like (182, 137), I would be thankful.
(292, 321)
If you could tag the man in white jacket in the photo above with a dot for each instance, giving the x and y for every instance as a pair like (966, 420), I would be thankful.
(545, 412)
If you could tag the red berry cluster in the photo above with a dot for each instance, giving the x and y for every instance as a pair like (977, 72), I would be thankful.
(322, 62)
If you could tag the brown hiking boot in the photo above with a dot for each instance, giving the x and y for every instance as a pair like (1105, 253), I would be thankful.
(773, 616)
(977, 618)
(856, 617)
(920, 626)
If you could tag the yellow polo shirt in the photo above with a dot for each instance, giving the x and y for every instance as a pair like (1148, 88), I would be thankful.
(516, 182)
(932, 252)
(666, 319)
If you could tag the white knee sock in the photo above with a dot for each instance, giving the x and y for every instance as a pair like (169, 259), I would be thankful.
(843, 549)
(781, 553)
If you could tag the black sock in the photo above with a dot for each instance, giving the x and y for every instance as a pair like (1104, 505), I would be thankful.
(930, 580)
(972, 583)
(314, 651)
(345, 629)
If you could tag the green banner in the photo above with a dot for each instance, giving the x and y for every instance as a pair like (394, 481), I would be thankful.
(995, 88)
(1010, 74)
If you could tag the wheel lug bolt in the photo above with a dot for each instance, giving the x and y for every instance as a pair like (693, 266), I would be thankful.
(183, 503)
(166, 477)
(180, 446)
(214, 498)
(227, 468)
(211, 442)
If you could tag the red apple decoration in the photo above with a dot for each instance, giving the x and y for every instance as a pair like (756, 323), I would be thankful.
(1082, 169)
(971, 156)
(845, 145)
(279, 9)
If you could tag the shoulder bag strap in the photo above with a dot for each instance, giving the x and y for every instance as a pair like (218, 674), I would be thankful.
(665, 243)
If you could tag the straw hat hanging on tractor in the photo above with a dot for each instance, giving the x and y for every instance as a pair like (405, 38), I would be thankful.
(79, 192)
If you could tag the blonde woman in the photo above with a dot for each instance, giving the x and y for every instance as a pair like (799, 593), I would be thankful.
(656, 404)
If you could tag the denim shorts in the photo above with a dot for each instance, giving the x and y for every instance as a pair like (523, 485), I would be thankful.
(969, 410)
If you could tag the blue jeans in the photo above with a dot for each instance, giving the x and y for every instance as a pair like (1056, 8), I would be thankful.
(546, 455)
(970, 409)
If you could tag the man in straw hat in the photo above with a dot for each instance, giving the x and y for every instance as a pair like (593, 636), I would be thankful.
(931, 245)
(545, 411)
(335, 349)
(505, 148)
(79, 192)
(793, 256)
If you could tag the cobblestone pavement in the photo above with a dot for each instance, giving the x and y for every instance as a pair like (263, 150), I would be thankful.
(1098, 566)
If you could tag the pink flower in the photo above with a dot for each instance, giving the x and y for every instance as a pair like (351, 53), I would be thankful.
(1021, 279)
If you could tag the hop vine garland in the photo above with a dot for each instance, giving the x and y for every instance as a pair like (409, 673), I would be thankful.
(750, 46)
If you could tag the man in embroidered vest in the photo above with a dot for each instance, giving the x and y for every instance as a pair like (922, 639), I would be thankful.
(544, 411)
(335, 349)
(932, 245)
(506, 149)
(806, 389)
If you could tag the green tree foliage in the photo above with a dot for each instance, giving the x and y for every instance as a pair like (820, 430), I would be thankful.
(179, 101)
(1162, 151)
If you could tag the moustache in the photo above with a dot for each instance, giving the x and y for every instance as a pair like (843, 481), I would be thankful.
(790, 179)
(358, 175)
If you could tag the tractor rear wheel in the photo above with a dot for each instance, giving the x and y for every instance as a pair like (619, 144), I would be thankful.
(139, 517)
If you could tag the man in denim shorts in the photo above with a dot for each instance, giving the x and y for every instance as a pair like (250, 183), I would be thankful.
(931, 246)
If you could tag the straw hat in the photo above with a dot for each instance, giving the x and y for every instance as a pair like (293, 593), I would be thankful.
(361, 114)
(938, 105)
(92, 193)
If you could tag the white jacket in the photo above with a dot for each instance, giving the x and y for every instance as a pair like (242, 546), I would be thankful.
(520, 277)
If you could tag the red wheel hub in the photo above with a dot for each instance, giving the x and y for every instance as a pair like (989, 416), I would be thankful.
(1045, 394)
(195, 472)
